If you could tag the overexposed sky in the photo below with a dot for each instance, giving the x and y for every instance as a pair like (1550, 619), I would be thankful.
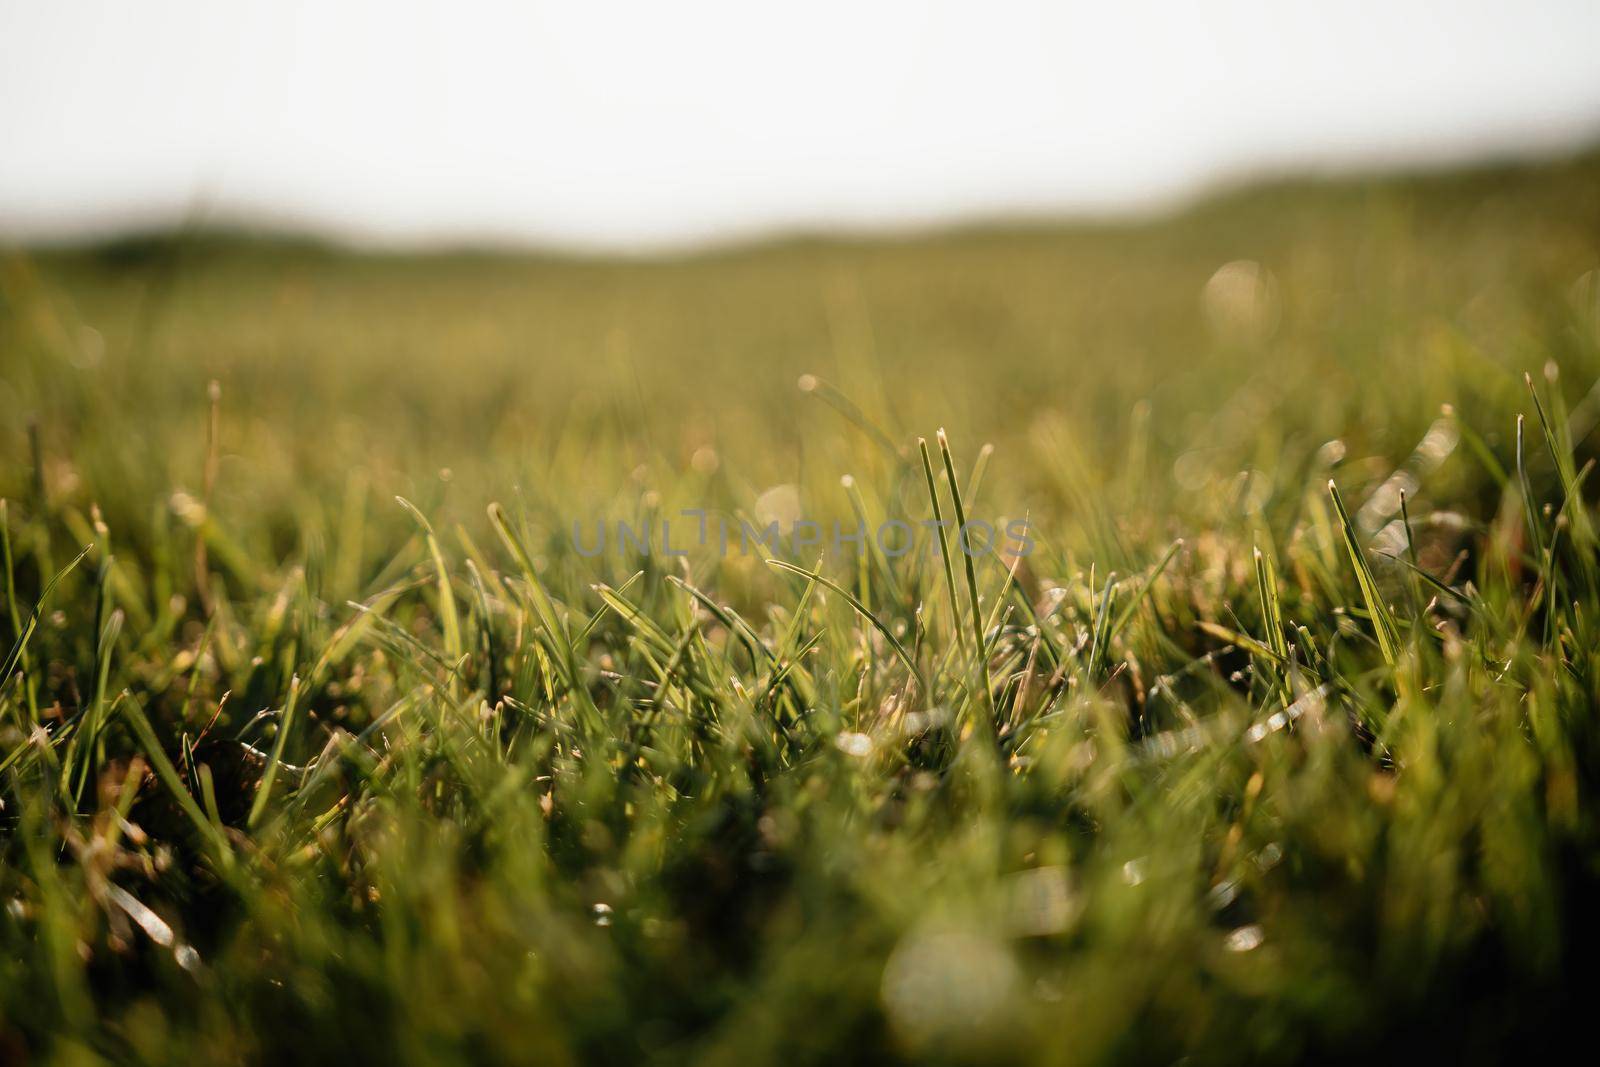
(609, 123)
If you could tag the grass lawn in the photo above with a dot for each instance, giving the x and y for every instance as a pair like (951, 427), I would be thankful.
(1260, 725)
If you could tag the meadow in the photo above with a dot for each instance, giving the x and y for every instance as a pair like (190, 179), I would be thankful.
(323, 740)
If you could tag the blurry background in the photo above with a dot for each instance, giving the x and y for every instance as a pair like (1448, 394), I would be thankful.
(1275, 275)
(616, 124)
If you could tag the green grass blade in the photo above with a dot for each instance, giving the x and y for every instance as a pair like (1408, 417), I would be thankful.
(861, 609)
(1383, 623)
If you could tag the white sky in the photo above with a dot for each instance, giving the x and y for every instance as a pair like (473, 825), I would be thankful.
(620, 124)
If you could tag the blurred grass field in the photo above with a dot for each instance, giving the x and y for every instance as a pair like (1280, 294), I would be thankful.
(1229, 767)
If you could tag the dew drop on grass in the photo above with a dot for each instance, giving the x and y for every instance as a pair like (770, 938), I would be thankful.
(854, 744)
(1331, 454)
(1240, 302)
(779, 504)
(949, 988)
(602, 914)
(705, 460)
(1245, 938)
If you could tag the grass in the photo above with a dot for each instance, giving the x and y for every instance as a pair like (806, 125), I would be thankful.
(1279, 745)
